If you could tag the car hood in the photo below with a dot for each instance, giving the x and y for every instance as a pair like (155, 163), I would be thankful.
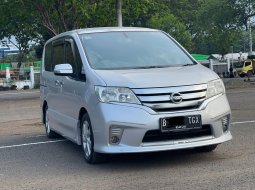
(157, 77)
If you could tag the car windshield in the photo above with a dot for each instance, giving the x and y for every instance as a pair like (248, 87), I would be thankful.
(132, 50)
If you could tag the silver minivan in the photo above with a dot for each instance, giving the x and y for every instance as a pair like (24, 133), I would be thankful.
(129, 90)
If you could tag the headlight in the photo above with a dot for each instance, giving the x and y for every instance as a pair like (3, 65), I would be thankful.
(214, 88)
(116, 94)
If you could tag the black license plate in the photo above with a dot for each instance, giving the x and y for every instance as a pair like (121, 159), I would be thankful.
(180, 123)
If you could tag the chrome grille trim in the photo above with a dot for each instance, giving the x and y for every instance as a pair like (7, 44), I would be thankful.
(166, 97)
(159, 99)
(171, 105)
(167, 90)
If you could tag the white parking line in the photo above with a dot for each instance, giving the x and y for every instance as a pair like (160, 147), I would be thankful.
(55, 141)
(28, 144)
(19, 92)
(36, 136)
(243, 122)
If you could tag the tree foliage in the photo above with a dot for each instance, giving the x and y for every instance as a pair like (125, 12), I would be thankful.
(201, 26)
(14, 21)
(216, 27)
(170, 24)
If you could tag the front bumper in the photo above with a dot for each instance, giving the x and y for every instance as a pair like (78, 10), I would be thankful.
(136, 120)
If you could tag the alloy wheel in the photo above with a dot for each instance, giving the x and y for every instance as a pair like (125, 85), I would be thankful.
(86, 139)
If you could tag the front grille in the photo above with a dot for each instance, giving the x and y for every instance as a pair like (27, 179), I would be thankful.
(176, 109)
(159, 99)
(158, 136)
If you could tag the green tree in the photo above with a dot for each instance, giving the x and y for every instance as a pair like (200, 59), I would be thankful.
(57, 16)
(139, 12)
(245, 9)
(170, 24)
(15, 21)
(216, 27)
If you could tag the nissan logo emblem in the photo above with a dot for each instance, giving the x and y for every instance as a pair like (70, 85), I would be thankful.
(176, 97)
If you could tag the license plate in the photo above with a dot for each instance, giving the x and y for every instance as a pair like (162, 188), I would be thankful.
(180, 123)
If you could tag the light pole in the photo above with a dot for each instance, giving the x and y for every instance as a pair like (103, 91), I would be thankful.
(250, 34)
(119, 12)
(232, 50)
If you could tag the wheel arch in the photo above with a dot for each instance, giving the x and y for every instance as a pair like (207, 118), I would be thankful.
(44, 110)
(81, 113)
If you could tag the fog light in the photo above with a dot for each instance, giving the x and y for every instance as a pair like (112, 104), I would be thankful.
(115, 140)
(115, 135)
(225, 123)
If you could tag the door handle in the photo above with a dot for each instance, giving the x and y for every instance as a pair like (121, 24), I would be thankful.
(59, 83)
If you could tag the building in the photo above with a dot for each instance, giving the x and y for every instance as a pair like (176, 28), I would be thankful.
(7, 47)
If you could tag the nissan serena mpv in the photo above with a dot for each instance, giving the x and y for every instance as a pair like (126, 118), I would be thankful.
(130, 90)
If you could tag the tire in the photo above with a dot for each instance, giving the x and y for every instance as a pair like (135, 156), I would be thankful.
(242, 75)
(209, 148)
(87, 142)
(249, 74)
(49, 133)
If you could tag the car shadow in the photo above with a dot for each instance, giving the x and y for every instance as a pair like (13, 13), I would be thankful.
(143, 160)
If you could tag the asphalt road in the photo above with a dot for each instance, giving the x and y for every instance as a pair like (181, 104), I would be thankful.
(28, 160)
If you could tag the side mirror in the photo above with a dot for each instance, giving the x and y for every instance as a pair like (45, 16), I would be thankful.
(63, 69)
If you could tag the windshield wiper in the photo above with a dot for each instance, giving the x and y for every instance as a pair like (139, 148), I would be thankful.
(190, 64)
(152, 67)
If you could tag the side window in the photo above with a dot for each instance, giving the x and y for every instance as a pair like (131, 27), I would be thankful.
(69, 56)
(47, 57)
(81, 71)
(247, 64)
(58, 52)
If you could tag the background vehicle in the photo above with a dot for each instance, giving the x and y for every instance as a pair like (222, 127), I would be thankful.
(247, 68)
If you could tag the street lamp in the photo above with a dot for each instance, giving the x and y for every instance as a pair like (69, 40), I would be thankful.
(250, 23)
(250, 35)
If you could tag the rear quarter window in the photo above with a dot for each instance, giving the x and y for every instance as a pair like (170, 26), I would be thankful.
(47, 58)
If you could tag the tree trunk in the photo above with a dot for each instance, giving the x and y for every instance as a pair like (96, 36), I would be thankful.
(20, 59)
(119, 12)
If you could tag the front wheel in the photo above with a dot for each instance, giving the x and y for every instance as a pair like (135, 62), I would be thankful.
(249, 74)
(87, 138)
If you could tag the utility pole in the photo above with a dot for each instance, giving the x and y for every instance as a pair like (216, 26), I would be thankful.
(119, 12)
(250, 34)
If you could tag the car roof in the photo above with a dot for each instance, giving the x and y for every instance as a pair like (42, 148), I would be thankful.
(103, 29)
(114, 29)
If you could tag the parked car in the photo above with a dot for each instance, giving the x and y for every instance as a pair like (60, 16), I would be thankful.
(130, 90)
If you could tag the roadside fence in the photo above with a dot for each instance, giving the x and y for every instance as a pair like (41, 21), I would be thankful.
(23, 78)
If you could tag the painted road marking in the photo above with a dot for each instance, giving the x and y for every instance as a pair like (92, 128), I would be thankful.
(34, 92)
(47, 142)
(36, 136)
(28, 144)
(242, 122)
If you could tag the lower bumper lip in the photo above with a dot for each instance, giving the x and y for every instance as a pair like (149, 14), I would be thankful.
(176, 145)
